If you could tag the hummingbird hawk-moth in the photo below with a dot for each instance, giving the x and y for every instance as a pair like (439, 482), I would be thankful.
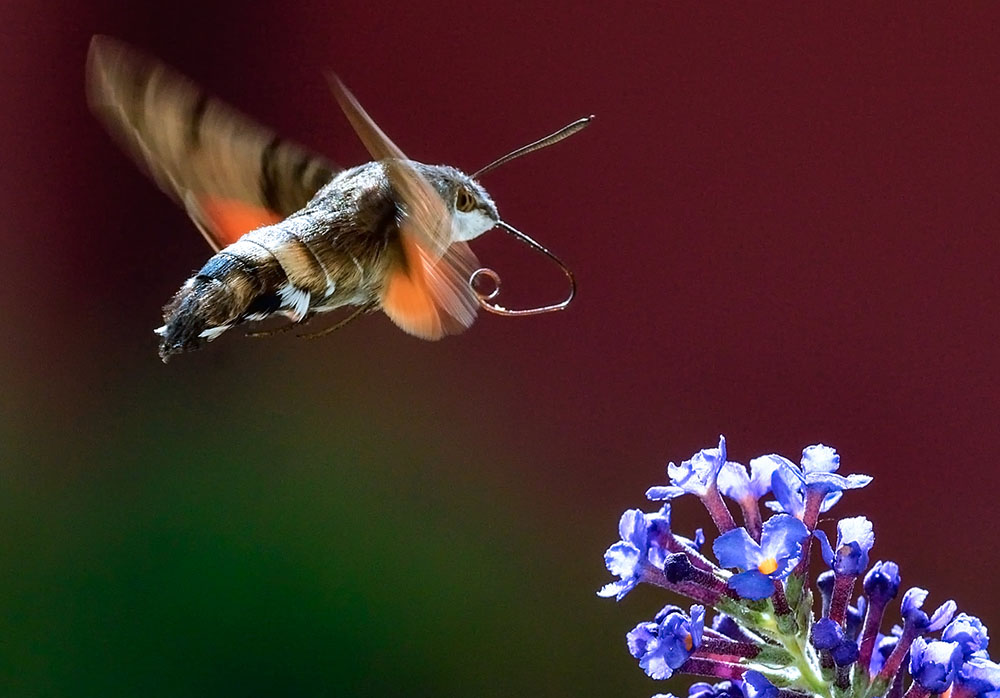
(293, 234)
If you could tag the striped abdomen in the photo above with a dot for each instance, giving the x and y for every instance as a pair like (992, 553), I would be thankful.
(306, 264)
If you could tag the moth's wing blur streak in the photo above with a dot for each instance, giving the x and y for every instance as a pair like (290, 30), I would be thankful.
(230, 173)
(430, 295)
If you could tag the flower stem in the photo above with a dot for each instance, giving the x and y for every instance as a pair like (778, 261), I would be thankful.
(873, 620)
(702, 666)
(728, 648)
(843, 587)
(656, 577)
(717, 509)
(814, 500)
(807, 664)
(895, 659)
(751, 516)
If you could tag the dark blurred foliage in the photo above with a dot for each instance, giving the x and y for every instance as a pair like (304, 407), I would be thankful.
(784, 224)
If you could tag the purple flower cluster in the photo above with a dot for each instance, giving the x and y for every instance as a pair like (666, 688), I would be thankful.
(765, 640)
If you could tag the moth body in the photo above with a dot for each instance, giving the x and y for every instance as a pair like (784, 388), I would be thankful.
(336, 251)
(293, 234)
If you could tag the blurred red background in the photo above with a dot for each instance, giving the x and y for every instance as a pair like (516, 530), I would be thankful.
(783, 223)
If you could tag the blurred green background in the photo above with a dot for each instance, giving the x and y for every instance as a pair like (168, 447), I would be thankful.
(784, 225)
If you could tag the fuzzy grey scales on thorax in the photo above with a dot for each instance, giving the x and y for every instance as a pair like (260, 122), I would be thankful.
(334, 252)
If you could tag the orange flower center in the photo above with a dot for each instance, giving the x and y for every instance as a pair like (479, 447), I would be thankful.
(767, 566)
(688, 642)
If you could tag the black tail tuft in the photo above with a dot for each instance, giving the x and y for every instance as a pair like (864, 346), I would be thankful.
(201, 305)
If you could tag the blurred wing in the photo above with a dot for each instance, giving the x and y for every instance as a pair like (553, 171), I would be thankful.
(428, 297)
(231, 174)
(429, 294)
(429, 220)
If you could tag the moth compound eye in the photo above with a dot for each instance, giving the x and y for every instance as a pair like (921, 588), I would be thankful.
(464, 201)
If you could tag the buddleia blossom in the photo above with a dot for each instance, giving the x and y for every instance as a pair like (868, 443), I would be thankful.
(667, 643)
(748, 488)
(815, 487)
(855, 538)
(629, 557)
(762, 563)
(912, 610)
(976, 676)
(765, 640)
(696, 476)
(723, 689)
(933, 665)
(969, 632)
(829, 636)
(640, 556)
(699, 476)
(881, 586)
(756, 685)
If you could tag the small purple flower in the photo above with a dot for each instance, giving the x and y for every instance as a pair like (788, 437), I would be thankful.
(773, 558)
(696, 476)
(659, 533)
(757, 686)
(855, 539)
(731, 629)
(788, 487)
(977, 675)
(820, 459)
(826, 634)
(934, 664)
(969, 632)
(738, 485)
(641, 548)
(723, 689)
(882, 582)
(626, 558)
(846, 653)
(638, 550)
(790, 483)
(746, 489)
(913, 614)
(658, 530)
(664, 645)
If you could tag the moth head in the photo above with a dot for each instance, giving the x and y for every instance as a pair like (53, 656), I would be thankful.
(472, 210)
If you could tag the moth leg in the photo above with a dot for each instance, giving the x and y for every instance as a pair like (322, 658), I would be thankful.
(280, 329)
(361, 309)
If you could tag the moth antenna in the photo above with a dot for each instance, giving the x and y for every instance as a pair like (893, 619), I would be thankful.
(485, 298)
(564, 132)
